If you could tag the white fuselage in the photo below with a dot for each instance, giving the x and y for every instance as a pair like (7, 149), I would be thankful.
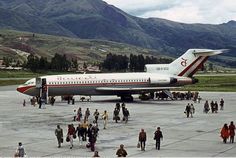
(103, 84)
(158, 77)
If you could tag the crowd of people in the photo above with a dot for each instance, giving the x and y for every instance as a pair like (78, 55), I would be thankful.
(125, 112)
(213, 106)
(85, 132)
(88, 132)
(187, 96)
(178, 96)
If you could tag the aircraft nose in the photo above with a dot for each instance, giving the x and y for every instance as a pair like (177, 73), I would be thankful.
(20, 89)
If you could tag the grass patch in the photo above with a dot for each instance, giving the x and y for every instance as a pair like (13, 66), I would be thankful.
(11, 82)
(17, 74)
(214, 83)
(27, 74)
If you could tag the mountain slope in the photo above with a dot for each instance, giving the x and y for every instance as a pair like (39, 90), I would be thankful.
(95, 19)
(17, 45)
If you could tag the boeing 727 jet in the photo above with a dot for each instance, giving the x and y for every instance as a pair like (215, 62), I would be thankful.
(158, 77)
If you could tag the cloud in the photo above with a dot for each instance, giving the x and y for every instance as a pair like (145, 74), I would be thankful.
(187, 11)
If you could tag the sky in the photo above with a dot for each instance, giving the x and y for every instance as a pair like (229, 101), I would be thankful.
(187, 11)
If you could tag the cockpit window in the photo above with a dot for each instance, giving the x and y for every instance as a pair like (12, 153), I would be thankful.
(30, 82)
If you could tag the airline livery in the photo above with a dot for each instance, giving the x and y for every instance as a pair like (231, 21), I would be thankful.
(158, 77)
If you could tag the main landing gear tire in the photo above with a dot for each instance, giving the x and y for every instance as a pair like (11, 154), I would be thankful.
(127, 98)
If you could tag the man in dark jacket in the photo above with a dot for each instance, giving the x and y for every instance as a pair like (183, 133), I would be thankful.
(142, 139)
(116, 115)
(79, 131)
(222, 104)
(187, 110)
(96, 115)
(158, 136)
(20, 151)
(121, 152)
(59, 135)
(126, 114)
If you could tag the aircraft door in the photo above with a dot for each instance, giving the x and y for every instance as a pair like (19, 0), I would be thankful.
(41, 85)
(38, 83)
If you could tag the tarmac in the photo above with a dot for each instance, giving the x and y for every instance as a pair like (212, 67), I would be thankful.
(183, 137)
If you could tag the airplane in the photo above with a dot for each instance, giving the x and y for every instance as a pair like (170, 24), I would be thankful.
(158, 77)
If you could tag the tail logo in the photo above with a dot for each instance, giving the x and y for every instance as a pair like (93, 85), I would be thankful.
(184, 62)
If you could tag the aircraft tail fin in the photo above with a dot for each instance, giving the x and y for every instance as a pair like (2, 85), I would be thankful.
(187, 64)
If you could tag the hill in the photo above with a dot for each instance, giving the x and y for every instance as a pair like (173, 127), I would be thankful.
(95, 19)
(18, 45)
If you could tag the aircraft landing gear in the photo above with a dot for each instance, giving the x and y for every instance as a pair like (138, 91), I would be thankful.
(144, 97)
(127, 98)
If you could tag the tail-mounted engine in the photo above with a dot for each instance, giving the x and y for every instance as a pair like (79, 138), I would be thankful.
(163, 80)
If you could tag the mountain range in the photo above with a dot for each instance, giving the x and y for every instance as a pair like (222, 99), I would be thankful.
(95, 19)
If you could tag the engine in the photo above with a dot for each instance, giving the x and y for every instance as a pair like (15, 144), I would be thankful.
(163, 80)
(186, 80)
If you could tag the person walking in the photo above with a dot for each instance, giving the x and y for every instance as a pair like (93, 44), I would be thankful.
(212, 106)
(206, 107)
(116, 116)
(126, 115)
(222, 104)
(79, 131)
(92, 139)
(199, 99)
(216, 106)
(158, 137)
(118, 106)
(20, 151)
(87, 114)
(59, 135)
(79, 114)
(224, 133)
(96, 115)
(187, 110)
(142, 139)
(192, 110)
(105, 119)
(70, 133)
(84, 130)
(231, 131)
(121, 152)
(75, 115)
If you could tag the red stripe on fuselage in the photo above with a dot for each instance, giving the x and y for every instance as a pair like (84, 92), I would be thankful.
(26, 88)
(187, 68)
(98, 84)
